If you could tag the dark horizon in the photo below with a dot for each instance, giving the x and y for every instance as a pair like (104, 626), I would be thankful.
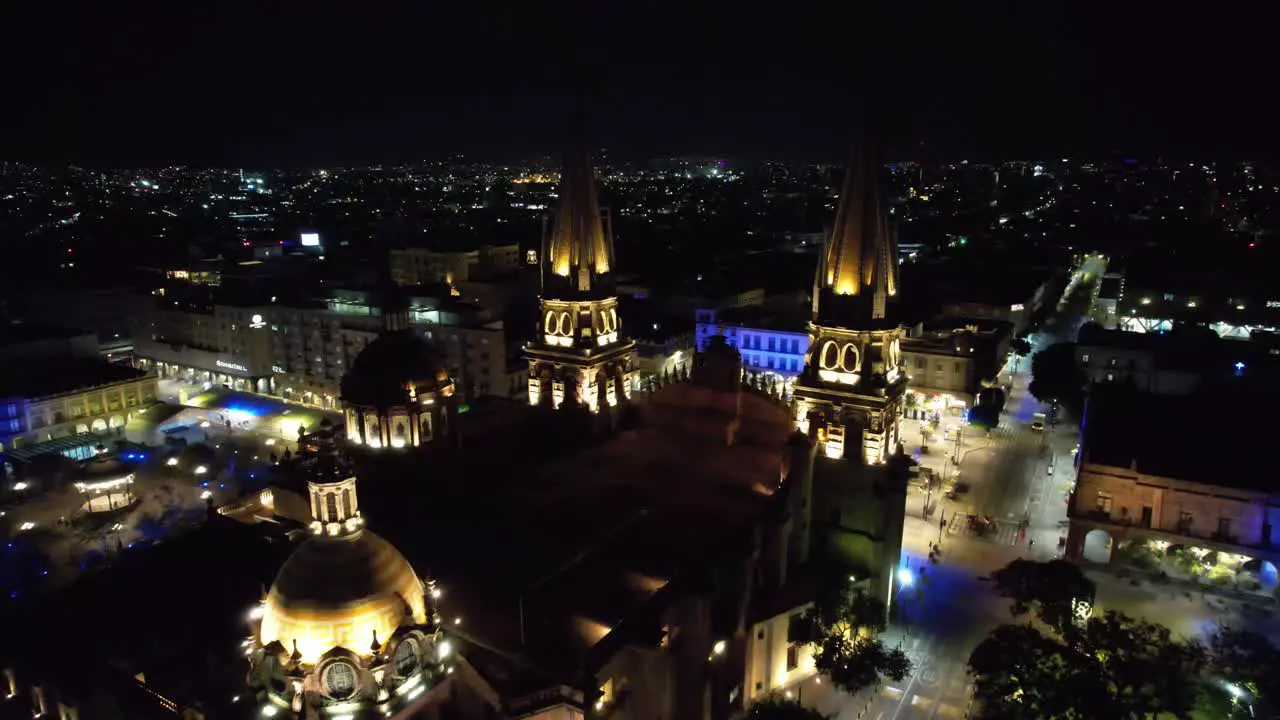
(116, 86)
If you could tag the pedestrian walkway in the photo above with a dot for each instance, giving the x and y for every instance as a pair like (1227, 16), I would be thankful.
(1000, 532)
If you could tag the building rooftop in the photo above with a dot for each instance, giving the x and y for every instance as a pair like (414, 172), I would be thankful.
(59, 376)
(16, 333)
(794, 320)
(560, 551)
(1209, 443)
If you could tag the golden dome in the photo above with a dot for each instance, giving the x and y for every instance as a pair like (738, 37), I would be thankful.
(336, 592)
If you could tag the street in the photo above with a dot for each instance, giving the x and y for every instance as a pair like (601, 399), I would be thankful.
(951, 608)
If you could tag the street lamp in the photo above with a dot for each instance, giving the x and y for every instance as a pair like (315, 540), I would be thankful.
(905, 577)
(201, 470)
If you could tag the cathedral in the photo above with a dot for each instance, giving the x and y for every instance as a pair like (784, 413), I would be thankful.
(520, 570)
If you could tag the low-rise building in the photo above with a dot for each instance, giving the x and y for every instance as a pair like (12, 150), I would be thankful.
(1171, 363)
(771, 341)
(51, 398)
(950, 360)
(1148, 485)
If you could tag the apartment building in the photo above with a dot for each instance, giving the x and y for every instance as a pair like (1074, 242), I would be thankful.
(1147, 484)
(300, 352)
(421, 266)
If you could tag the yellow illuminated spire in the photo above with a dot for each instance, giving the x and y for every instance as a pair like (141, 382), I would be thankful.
(860, 257)
(580, 247)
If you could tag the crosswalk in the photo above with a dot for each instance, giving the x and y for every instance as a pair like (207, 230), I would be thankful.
(937, 688)
(1004, 532)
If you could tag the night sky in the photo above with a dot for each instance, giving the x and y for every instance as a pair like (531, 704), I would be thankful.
(299, 84)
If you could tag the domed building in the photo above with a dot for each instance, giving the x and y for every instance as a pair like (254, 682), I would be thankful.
(397, 393)
(348, 625)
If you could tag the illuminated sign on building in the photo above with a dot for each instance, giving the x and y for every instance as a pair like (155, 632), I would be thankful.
(277, 369)
(531, 257)
(256, 321)
(231, 366)
(310, 239)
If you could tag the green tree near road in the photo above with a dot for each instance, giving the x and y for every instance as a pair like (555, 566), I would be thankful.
(1020, 346)
(1048, 589)
(1249, 663)
(844, 628)
(984, 417)
(776, 708)
(1110, 666)
(1113, 666)
(1055, 376)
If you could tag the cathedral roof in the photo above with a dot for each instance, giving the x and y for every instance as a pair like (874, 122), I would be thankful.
(859, 259)
(382, 373)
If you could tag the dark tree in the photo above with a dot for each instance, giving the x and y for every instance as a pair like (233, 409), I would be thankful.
(1019, 673)
(198, 454)
(1056, 376)
(1249, 667)
(1047, 588)
(984, 417)
(775, 708)
(844, 629)
(1113, 667)
(1020, 346)
(53, 470)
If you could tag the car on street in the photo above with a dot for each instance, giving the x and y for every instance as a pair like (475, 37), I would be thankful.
(1037, 426)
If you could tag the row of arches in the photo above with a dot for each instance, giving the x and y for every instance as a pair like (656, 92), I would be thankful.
(847, 357)
(561, 323)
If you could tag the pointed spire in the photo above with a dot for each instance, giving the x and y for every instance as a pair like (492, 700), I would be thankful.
(580, 247)
(860, 257)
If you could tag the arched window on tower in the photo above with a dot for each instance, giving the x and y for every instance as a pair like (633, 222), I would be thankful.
(347, 510)
(331, 507)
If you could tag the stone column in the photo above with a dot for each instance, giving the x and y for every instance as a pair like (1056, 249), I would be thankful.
(1075, 542)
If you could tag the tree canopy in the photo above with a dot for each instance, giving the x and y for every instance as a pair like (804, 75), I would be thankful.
(1248, 667)
(844, 628)
(1114, 666)
(1048, 588)
(1020, 346)
(776, 708)
(1056, 376)
(1111, 665)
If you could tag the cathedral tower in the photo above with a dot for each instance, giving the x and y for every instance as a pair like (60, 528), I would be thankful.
(580, 356)
(849, 396)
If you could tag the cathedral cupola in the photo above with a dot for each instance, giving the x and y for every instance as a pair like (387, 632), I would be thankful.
(397, 392)
(338, 595)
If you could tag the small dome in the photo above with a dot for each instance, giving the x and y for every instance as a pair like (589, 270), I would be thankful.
(338, 592)
(386, 368)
